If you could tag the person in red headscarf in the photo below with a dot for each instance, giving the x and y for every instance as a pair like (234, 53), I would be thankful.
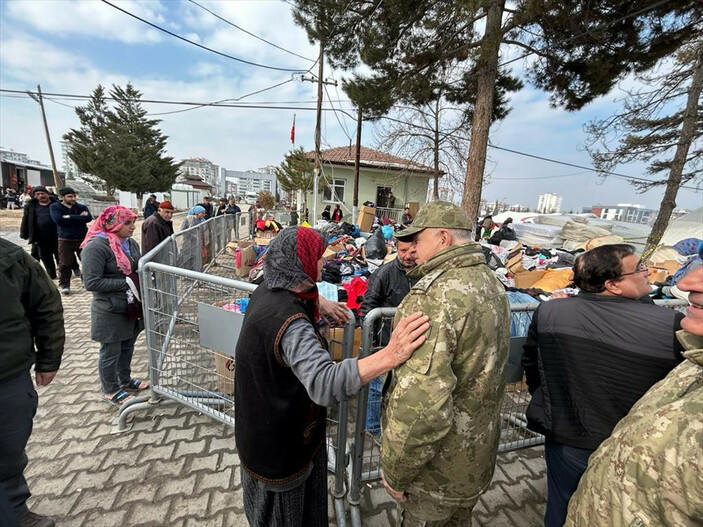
(109, 258)
(285, 378)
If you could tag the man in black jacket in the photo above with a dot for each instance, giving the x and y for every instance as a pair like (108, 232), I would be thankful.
(209, 209)
(387, 287)
(40, 230)
(588, 359)
(71, 219)
(31, 323)
(157, 227)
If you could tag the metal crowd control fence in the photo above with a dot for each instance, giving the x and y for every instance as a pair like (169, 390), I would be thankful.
(191, 299)
(365, 452)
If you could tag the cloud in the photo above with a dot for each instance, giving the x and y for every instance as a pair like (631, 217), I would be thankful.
(89, 19)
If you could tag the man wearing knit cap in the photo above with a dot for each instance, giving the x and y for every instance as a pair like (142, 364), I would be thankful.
(157, 227)
(71, 219)
(40, 230)
(441, 413)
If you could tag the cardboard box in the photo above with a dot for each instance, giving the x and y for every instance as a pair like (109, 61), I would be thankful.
(365, 219)
(224, 368)
(657, 275)
(514, 263)
(333, 249)
(338, 335)
(670, 265)
(414, 206)
(390, 257)
(525, 279)
(246, 262)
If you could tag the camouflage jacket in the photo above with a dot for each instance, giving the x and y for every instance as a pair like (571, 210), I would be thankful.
(649, 472)
(441, 414)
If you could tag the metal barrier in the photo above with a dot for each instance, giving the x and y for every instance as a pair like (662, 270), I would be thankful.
(365, 452)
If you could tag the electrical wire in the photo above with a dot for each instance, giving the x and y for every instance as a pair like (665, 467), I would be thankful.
(249, 32)
(217, 103)
(237, 59)
(48, 95)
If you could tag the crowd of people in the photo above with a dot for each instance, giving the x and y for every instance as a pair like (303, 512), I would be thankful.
(615, 380)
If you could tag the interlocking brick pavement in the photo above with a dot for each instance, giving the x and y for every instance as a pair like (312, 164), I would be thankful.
(179, 468)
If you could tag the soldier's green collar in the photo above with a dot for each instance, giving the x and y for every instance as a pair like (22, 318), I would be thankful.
(458, 255)
(693, 345)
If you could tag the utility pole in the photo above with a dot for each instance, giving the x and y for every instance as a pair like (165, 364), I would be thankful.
(357, 157)
(57, 180)
(318, 125)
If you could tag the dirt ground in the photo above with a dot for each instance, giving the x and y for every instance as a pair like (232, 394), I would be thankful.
(10, 220)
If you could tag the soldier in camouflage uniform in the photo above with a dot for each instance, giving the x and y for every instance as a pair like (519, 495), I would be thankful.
(440, 420)
(649, 472)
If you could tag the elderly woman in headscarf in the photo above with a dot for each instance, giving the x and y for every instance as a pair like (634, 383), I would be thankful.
(284, 379)
(110, 259)
(195, 216)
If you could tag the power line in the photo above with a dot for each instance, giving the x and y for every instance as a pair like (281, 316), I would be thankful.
(342, 126)
(591, 169)
(200, 45)
(15, 93)
(249, 32)
(216, 103)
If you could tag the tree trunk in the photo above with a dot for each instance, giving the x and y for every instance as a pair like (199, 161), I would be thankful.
(488, 67)
(674, 182)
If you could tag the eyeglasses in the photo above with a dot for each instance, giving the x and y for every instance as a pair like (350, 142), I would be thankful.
(641, 268)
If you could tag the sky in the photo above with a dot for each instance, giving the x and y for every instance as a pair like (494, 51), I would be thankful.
(70, 47)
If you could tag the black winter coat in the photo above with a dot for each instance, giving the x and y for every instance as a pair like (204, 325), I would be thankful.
(387, 287)
(29, 223)
(155, 229)
(31, 318)
(589, 358)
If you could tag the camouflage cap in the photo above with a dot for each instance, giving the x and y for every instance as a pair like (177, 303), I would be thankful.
(437, 214)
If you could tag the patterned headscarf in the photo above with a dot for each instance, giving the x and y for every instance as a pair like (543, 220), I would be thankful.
(108, 223)
(291, 263)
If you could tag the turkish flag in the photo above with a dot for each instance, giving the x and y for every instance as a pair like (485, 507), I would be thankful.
(292, 131)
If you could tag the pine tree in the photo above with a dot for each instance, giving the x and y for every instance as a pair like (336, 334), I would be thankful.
(661, 123)
(122, 147)
(581, 50)
(295, 173)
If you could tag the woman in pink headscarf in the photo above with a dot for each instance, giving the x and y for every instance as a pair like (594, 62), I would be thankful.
(109, 260)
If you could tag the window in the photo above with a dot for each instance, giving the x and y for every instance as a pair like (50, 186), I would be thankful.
(334, 191)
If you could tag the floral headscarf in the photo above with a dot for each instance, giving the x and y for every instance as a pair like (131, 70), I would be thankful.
(108, 223)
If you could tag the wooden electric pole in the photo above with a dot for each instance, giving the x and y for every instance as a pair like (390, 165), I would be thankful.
(318, 127)
(57, 180)
(357, 158)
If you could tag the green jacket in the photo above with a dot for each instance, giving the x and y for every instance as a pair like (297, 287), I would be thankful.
(31, 318)
(441, 414)
(649, 472)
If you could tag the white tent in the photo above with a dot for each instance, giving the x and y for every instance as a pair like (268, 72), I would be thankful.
(687, 226)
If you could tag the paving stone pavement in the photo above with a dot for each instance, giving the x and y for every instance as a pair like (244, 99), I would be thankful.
(177, 467)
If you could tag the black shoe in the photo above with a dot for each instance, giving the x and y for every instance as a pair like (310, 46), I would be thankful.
(65, 290)
(33, 519)
(77, 273)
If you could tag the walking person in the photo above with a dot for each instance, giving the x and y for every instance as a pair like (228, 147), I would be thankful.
(283, 456)
(32, 329)
(40, 230)
(71, 219)
(110, 258)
